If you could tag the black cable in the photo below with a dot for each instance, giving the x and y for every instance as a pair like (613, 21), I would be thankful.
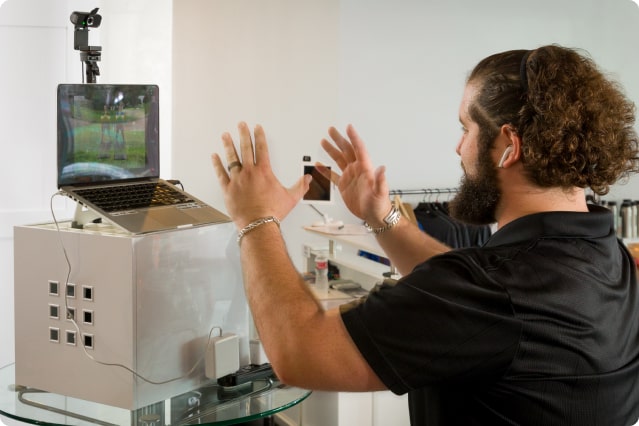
(176, 183)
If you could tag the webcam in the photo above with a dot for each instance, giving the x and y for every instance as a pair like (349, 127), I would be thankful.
(86, 19)
(89, 55)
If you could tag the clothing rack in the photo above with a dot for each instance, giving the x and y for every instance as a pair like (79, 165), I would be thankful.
(424, 191)
(433, 218)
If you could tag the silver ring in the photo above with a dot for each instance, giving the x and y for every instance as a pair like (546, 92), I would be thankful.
(233, 164)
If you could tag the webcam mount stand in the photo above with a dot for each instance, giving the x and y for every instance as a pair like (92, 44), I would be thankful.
(90, 56)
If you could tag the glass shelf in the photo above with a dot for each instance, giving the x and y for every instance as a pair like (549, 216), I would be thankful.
(211, 405)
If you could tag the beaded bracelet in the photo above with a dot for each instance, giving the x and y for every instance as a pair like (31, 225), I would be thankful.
(251, 226)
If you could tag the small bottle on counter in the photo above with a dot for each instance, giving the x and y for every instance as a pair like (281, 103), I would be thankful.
(321, 274)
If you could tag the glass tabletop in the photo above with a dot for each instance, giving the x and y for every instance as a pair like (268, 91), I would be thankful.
(210, 405)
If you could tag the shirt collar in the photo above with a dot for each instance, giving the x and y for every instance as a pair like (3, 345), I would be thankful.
(596, 223)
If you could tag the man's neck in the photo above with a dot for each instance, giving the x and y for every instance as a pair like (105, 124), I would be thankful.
(522, 200)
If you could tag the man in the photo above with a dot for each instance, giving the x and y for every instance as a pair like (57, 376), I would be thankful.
(538, 327)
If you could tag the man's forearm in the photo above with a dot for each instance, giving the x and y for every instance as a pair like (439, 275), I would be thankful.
(282, 305)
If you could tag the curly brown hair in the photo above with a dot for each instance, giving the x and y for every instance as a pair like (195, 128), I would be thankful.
(576, 125)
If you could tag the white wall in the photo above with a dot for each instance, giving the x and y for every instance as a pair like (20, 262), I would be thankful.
(273, 63)
(403, 65)
(394, 69)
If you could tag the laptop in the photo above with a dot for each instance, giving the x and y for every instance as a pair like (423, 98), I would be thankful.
(109, 159)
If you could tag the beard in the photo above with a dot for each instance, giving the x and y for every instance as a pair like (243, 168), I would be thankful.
(477, 198)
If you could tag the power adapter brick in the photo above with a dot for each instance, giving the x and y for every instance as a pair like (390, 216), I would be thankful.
(222, 356)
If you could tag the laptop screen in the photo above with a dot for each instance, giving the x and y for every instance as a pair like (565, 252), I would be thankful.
(107, 133)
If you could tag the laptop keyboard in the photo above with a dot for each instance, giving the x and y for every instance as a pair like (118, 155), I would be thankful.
(129, 197)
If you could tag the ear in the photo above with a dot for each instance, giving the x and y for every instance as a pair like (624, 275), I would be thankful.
(510, 142)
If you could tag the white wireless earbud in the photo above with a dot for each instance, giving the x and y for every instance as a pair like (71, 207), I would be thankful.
(507, 151)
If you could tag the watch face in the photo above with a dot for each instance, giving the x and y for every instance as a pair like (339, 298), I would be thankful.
(392, 217)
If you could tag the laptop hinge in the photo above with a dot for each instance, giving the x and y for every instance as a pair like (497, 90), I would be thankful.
(84, 215)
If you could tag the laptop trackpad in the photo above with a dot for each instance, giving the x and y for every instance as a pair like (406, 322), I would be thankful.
(152, 220)
(170, 217)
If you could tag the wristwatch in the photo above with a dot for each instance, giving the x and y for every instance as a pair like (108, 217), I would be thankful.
(391, 219)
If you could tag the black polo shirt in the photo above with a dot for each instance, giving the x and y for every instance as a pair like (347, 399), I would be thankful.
(538, 327)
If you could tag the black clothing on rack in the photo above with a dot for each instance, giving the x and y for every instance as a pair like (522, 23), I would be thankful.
(434, 219)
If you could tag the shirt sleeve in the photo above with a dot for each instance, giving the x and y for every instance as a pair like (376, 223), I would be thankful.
(446, 322)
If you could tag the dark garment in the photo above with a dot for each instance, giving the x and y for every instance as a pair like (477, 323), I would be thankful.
(434, 219)
(538, 327)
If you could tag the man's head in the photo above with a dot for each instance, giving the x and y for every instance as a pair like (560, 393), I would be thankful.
(574, 127)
